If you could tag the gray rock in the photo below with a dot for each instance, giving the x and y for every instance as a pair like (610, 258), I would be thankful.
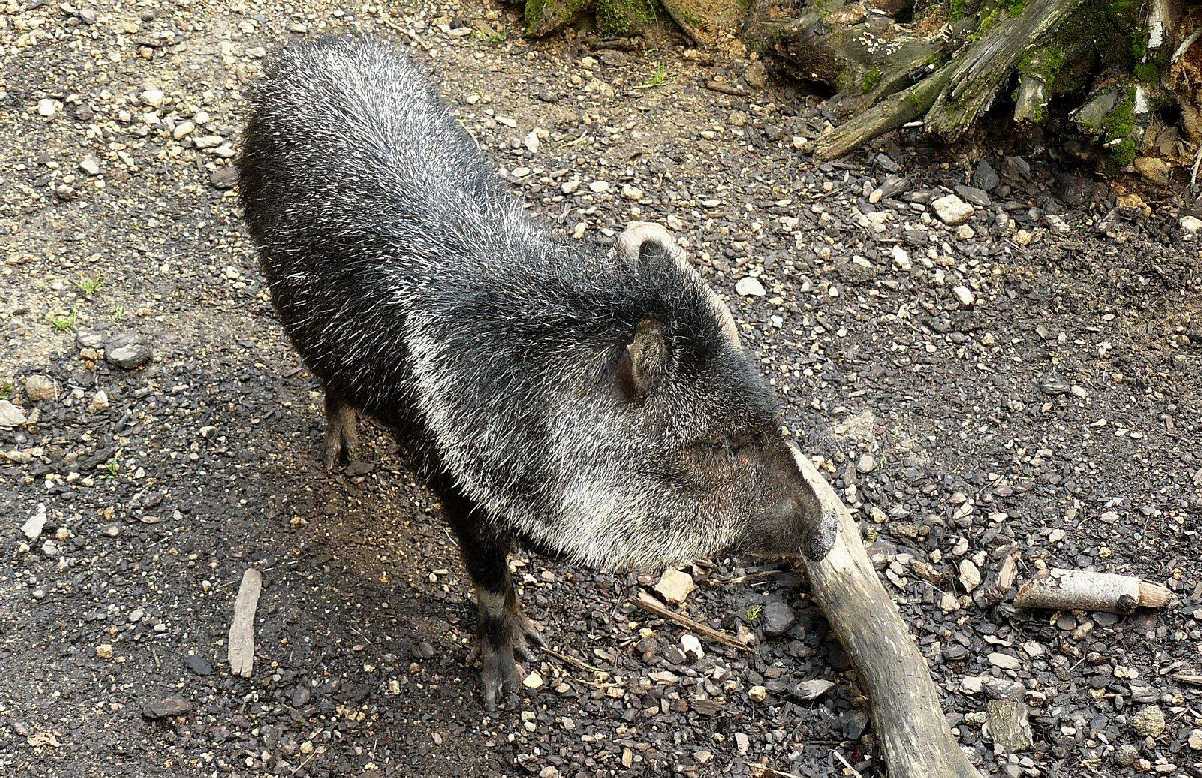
(951, 210)
(985, 177)
(1009, 726)
(778, 617)
(1126, 755)
(128, 351)
(978, 197)
(811, 690)
(198, 665)
(10, 415)
(167, 708)
(224, 177)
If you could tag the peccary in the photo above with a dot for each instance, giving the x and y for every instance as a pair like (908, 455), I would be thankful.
(596, 403)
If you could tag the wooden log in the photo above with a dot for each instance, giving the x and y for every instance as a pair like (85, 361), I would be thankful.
(707, 22)
(903, 701)
(241, 644)
(979, 71)
(1086, 590)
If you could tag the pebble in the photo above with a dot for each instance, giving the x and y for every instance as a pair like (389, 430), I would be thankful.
(153, 97)
(691, 646)
(757, 693)
(1126, 755)
(223, 177)
(812, 689)
(90, 165)
(866, 463)
(750, 287)
(951, 210)
(1004, 661)
(965, 296)
(1149, 722)
(198, 665)
(599, 187)
(104, 651)
(183, 129)
(1191, 224)
(1195, 739)
(47, 107)
(970, 575)
(128, 351)
(674, 585)
(532, 680)
(11, 415)
(99, 402)
(33, 526)
(1009, 726)
(756, 75)
(167, 708)
(985, 177)
(1154, 169)
(39, 388)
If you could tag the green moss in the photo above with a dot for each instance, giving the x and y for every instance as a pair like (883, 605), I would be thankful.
(624, 17)
(959, 9)
(1044, 63)
(871, 78)
(1119, 127)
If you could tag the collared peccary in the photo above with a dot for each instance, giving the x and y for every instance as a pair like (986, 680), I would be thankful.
(595, 403)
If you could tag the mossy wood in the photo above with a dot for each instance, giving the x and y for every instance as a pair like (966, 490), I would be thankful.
(951, 63)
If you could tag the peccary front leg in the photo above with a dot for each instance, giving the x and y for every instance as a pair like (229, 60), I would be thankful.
(503, 631)
(342, 435)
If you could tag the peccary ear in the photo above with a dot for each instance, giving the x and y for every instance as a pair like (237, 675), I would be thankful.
(642, 361)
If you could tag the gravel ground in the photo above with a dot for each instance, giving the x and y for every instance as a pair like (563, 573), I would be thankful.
(1025, 385)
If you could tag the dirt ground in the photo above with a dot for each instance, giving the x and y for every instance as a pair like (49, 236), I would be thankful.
(1027, 384)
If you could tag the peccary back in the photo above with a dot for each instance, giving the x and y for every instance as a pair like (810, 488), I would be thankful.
(596, 403)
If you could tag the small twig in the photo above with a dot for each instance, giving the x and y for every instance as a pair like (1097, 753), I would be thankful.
(766, 770)
(573, 661)
(846, 764)
(1193, 176)
(1189, 678)
(727, 89)
(645, 602)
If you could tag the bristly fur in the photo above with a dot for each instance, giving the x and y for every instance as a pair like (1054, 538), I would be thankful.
(417, 288)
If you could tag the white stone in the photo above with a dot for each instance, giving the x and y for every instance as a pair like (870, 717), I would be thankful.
(951, 210)
(901, 258)
(33, 526)
(10, 415)
(674, 585)
(965, 296)
(90, 165)
(531, 141)
(599, 187)
(691, 646)
(750, 287)
(970, 576)
(153, 97)
(1191, 224)
(47, 107)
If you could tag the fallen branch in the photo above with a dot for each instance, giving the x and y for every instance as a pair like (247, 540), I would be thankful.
(242, 630)
(1085, 590)
(647, 603)
(903, 701)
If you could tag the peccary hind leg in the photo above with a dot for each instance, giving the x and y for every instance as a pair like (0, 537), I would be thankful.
(503, 631)
(342, 436)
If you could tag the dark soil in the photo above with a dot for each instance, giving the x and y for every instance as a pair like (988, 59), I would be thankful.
(1058, 417)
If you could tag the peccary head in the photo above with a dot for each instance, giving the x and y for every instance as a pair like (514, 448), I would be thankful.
(647, 434)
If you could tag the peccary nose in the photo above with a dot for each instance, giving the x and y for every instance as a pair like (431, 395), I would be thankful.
(820, 537)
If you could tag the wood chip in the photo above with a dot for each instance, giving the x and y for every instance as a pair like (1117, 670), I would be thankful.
(242, 630)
